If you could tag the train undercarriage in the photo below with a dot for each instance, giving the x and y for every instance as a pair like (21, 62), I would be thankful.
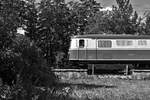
(111, 67)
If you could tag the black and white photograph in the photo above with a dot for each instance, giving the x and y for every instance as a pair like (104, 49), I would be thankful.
(74, 49)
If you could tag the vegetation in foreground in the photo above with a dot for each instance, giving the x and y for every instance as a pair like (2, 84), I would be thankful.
(98, 87)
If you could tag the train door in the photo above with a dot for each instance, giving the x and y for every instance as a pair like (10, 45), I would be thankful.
(82, 49)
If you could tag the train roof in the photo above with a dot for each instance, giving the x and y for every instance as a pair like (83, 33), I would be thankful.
(112, 36)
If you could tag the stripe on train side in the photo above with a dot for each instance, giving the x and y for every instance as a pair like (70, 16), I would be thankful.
(110, 54)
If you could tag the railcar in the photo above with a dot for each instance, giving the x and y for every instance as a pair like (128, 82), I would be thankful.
(104, 49)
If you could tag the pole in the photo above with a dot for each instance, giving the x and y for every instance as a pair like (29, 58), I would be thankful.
(127, 69)
(92, 69)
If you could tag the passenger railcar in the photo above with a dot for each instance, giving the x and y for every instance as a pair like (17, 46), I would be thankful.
(97, 48)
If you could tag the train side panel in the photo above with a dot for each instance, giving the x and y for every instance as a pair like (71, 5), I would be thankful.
(106, 50)
(123, 55)
(91, 49)
(107, 55)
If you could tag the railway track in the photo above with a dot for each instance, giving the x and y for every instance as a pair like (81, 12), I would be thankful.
(136, 74)
(92, 71)
(69, 70)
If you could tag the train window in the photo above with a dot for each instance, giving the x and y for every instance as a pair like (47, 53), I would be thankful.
(124, 42)
(81, 43)
(142, 42)
(104, 44)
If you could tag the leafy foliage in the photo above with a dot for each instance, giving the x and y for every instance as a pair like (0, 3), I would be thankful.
(9, 21)
(52, 28)
(81, 12)
(30, 19)
(121, 20)
(147, 27)
(21, 61)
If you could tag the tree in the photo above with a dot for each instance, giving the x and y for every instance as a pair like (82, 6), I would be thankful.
(147, 25)
(10, 20)
(30, 19)
(100, 23)
(81, 13)
(121, 20)
(22, 65)
(53, 26)
(122, 17)
(31, 67)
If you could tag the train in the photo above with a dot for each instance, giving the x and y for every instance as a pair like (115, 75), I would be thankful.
(94, 49)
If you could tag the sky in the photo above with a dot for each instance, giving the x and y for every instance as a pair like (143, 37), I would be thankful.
(138, 5)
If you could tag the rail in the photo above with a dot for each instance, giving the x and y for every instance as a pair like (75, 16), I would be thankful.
(69, 70)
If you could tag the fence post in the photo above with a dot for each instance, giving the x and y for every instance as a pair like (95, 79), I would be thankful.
(93, 69)
(127, 69)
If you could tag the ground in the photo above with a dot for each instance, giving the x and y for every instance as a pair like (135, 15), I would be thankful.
(102, 87)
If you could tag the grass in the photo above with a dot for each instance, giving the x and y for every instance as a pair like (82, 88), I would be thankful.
(107, 87)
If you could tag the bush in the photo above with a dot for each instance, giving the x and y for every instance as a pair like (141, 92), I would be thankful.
(24, 69)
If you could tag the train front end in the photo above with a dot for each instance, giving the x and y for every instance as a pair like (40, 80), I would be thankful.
(73, 50)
